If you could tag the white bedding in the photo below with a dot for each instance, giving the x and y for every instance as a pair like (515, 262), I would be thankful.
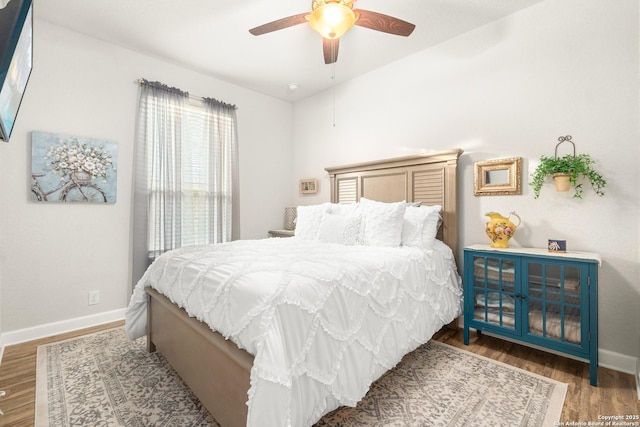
(323, 320)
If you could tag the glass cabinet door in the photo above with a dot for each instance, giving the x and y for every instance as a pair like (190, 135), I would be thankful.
(494, 291)
(553, 301)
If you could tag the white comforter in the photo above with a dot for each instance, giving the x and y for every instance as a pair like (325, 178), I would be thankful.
(323, 320)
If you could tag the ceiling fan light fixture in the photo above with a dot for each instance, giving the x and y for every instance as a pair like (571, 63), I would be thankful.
(332, 20)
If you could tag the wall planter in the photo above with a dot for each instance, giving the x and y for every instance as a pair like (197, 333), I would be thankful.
(562, 181)
(566, 172)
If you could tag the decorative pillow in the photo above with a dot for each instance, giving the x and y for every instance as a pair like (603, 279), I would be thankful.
(352, 229)
(309, 220)
(340, 209)
(382, 222)
(332, 228)
(341, 225)
(420, 226)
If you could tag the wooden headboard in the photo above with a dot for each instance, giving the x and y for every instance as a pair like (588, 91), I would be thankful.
(427, 178)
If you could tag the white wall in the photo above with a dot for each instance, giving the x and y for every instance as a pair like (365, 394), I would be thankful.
(507, 89)
(511, 89)
(51, 254)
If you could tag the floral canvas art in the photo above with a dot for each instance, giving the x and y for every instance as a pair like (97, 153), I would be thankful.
(73, 169)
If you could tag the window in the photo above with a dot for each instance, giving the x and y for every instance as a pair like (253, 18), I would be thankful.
(186, 153)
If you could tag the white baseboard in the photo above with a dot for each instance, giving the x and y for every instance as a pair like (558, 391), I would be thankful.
(638, 378)
(1, 347)
(617, 361)
(55, 328)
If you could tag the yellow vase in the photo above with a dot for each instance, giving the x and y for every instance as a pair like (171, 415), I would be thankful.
(500, 229)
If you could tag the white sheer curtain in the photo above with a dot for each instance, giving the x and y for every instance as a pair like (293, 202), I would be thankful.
(223, 152)
(185, 173)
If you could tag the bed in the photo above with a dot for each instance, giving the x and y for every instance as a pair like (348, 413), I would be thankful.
(335, 358)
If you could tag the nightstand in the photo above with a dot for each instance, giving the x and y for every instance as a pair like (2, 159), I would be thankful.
(533, 296)
(281, 233)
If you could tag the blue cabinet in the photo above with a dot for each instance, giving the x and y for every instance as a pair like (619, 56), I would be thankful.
(546, 299)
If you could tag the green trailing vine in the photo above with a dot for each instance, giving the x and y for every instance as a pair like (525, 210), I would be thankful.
(572, 165)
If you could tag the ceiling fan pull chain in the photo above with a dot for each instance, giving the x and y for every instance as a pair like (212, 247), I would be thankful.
(333, 77)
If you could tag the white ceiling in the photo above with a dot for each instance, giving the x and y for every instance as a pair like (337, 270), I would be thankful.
(212, 37)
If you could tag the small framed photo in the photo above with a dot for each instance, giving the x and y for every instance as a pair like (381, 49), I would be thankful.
(308, 186)
(556, 245)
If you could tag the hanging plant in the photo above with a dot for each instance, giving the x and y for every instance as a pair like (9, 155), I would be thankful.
(570, 167)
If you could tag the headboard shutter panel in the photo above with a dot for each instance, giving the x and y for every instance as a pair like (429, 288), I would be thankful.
(347, 190)
(428, 186)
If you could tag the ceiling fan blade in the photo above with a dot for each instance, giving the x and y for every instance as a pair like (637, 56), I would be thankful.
(330, 49)
(279, 24)
(385, 23)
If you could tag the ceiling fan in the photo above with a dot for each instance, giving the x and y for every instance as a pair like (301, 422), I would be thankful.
(332, 19)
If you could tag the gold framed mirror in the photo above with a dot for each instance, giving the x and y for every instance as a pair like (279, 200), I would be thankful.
(498, 177)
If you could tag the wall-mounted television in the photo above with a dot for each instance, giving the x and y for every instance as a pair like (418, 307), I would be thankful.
(16, 59)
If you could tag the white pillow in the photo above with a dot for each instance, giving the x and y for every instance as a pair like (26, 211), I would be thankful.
(420, 226)
(342, 224)
(332, 228)
(382, 222)
(342, 209)
(309, 220)
(352, 234)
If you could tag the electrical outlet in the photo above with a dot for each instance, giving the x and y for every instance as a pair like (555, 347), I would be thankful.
(94, 297)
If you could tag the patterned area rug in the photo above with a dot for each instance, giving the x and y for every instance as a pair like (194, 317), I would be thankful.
(104, 379)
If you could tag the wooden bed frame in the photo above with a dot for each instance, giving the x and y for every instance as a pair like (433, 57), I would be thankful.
(215, 369)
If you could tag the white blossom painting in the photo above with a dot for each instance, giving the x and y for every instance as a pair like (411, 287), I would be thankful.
(72, 169)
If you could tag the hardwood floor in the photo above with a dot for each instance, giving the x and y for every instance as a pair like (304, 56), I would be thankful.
(18, 377)
(615, 395)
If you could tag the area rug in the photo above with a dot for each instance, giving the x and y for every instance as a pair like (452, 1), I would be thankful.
(105, 379)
